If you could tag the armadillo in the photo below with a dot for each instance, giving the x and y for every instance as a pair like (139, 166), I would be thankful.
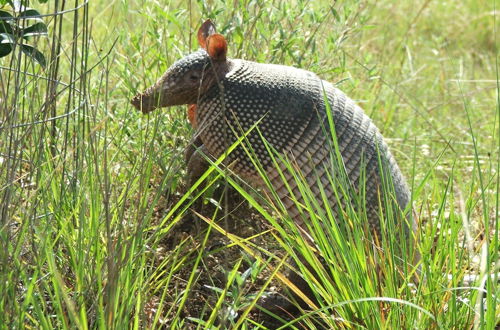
(228, 97)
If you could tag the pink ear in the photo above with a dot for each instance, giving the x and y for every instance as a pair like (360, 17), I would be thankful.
(206, 30)
(217, 47)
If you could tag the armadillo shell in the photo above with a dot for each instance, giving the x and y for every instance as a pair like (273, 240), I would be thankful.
(289, 103)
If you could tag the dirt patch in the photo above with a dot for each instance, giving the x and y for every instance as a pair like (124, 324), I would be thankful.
(216, 259)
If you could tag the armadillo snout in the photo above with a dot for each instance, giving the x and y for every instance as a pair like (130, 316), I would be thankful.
(136, 101)
(144, 103)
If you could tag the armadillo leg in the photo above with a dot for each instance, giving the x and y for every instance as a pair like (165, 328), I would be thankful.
(286, 308)
(196, 163)
(193, 145)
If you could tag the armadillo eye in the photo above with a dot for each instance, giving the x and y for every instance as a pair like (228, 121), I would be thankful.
(194, 77)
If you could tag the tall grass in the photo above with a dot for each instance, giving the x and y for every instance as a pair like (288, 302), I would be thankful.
(92, 193)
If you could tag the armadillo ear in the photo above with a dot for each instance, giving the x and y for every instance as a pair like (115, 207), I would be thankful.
(206, 30)
(217, 47)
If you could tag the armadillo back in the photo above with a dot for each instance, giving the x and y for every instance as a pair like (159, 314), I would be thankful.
(290, 104)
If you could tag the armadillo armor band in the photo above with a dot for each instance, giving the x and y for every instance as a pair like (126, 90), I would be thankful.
(289, 103)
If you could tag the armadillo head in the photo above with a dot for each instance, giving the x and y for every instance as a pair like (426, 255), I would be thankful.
(189, 77)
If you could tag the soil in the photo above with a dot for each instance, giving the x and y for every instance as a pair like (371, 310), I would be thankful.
(218, 258)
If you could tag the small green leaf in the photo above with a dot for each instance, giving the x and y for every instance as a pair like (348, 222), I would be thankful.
(29, 12)
(35, 54)
(5, 18)
(6, 44)
(5, 27)
(335, 14)
(6, 15)
(37, 29)
(5, 49)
